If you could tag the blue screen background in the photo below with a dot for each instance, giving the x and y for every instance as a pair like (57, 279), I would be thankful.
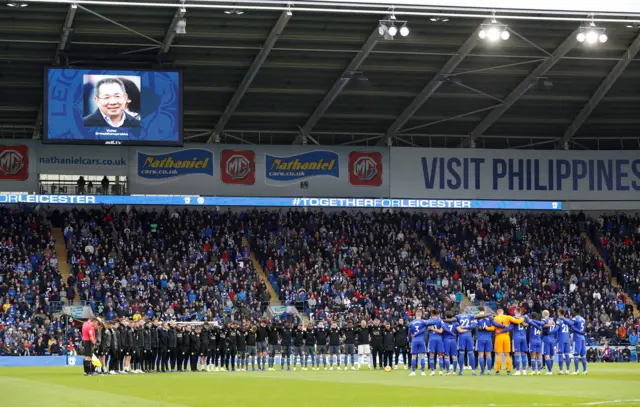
(161, 110)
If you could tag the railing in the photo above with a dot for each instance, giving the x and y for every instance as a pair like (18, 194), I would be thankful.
(72, 188)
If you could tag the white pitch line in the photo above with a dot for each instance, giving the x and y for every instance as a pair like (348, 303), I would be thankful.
(591, 403)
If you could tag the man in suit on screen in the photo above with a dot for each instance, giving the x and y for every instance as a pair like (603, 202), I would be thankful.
(111, 98)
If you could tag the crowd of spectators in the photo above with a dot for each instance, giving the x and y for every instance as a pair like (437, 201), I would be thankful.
(378, 262)
(30, 284)
(186, 264)
(174, 264)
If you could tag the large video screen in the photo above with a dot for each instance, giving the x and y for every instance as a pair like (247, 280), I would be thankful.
(112, 107)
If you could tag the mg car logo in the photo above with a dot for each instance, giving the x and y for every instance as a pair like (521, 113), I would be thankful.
(238, 167)
(11, 162)
(365, 169)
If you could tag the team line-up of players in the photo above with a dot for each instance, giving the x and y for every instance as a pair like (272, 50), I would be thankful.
(449, 341)
(451, 338)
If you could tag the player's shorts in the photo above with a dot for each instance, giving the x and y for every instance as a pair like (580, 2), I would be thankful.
(285, 349)
(580, 348)
(262, 347)
(484, 345)
(564, 348)
(298, 350)
(88, 348)
(520, 345)
(436, 346)
(450, 347)
(502, 344)
(548, 348)
(465, 343)
(349, 349)
(273, 349)
(418, 348)
(322, 349)
(252, 350)
(334, 349)
(364, 349)
(311, 350)
(535, 347)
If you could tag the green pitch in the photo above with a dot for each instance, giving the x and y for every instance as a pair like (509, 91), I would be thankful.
(606, 385)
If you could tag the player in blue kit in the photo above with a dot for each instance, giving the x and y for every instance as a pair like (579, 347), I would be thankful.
(417, 330)
(520, 348)
(450, 344)
(563, 346)
(578, 326)
(436, 344)
(467, 323)
(535, 343)
(548, 341)
(484, 342)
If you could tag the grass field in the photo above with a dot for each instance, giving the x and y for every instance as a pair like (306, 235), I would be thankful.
(613, 384)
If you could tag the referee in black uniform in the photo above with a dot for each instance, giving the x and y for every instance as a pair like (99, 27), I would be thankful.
(388, 343)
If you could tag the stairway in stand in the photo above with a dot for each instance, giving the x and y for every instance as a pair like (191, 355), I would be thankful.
(61, 253)
(256, 265)
(436, 263)
(614, 281)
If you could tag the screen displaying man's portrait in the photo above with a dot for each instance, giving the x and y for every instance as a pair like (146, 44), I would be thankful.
(111, 101)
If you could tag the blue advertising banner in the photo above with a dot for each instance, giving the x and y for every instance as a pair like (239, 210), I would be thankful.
(36, 361)
(301, 166)
(276, 202)
(175, 164)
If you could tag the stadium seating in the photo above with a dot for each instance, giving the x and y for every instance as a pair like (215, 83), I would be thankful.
(29, 281)
(178, 264)
(195, 265)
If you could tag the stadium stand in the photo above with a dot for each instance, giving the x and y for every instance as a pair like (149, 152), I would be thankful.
(195, 265)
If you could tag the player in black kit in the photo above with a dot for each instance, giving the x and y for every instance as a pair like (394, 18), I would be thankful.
(322, 334)
(262, 345)
(310, 345)
(402, 343)
(252, 349)
(222, 348)
(274, 347)
(232, 346)
(349, 333)
(212, 355)
(298, 346)
(242, 349)
(377, 349)
(334, 345)
(204, 346)
(388, 344)
(194, 348)
(286, 336)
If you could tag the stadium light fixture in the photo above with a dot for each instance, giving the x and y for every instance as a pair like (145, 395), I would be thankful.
(591, 34)
(390, 27)
(494, 32)
(18, 4)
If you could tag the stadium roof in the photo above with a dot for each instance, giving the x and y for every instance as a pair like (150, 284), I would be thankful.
(266, 77)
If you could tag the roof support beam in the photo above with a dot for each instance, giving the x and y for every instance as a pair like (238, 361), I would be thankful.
(522, 88)
(171, 32)
(602, 90)
(431, 88)
(67, 29)
(275, 33)
(338, 86)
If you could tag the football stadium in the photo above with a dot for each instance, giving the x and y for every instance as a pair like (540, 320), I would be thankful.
(358, 203)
